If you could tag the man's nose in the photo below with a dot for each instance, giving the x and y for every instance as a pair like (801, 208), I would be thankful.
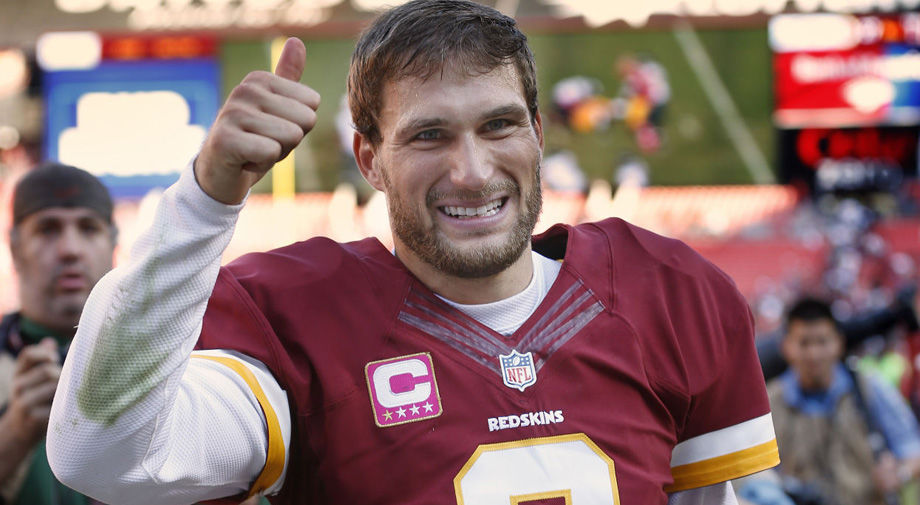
(814, 353)
(70, 242)
(471, 163)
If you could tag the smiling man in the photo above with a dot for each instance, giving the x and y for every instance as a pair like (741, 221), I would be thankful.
(461, 174)
(62, 240)
(474, 364)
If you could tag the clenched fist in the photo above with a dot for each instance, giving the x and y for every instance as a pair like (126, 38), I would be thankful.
(34, 381)
(263, 119)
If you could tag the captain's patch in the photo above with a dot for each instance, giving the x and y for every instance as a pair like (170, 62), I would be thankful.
(403, 389)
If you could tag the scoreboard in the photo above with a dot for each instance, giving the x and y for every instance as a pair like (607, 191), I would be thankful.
(847, 99)
(134, 113)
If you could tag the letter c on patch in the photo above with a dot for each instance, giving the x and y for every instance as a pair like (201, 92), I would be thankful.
(390, 399)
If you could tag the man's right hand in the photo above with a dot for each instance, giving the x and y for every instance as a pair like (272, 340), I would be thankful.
(34, 381)
(264, 118)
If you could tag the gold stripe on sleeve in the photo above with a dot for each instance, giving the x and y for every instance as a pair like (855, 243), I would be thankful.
(725, 467)
(274, 458)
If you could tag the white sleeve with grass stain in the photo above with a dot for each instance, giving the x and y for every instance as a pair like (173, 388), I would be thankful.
(133, 422)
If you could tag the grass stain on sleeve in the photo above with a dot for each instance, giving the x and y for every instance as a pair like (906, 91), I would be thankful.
(126, 365)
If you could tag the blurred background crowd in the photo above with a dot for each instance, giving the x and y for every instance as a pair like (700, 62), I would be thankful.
(778, 138)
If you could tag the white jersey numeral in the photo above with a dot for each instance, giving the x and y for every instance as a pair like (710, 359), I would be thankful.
(571, 467)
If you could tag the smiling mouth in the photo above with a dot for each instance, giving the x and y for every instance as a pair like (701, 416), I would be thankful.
(489, 209)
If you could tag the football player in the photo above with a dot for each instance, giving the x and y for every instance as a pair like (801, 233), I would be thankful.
(473, 364)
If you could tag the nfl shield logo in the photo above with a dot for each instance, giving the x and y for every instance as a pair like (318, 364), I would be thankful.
(517, 370)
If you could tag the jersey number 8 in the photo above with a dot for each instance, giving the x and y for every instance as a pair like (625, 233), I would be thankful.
(570, 467)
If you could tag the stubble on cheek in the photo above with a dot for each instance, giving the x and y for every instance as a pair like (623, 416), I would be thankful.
(432, 247)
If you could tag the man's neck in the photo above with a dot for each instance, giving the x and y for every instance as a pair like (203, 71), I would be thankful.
(508, 315)
(504, 284)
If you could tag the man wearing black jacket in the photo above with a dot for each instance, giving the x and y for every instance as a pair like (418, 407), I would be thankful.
(62, 241)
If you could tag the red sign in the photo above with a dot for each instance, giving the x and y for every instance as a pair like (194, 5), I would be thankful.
(860, 71)
(158, 48)
(896, 146)
(823, 88)
(849, 159)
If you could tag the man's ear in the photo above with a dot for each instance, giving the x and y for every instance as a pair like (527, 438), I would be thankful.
(538, 128)
(14, 248)
(365, 155)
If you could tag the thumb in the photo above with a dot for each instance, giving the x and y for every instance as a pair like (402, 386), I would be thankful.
(292, 60)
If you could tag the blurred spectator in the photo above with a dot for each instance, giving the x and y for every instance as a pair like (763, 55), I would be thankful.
(631, 170)
(844, 437)
(871, 287)
(579, 103)
(560, 173)
(855, 330)
(62, 242)
(643, 96)
(572, 92)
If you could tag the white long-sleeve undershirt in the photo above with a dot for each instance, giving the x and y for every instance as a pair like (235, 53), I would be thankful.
(135, 420)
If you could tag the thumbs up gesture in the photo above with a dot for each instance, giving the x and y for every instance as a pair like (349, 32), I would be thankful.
(263, 119)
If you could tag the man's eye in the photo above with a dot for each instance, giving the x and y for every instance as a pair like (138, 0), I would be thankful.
(497, 124)
(89, 228)
(47, 229)
(428, 135)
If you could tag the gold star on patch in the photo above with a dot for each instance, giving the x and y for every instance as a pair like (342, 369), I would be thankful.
(388, 415)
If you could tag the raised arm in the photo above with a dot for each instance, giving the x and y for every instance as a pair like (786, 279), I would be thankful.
(132, 420)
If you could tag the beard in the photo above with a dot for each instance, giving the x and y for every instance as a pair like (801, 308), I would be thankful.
(485, 260)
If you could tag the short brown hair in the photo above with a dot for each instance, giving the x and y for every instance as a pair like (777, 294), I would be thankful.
(418, 38)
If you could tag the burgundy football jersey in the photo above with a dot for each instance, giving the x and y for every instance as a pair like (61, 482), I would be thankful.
(635, 377)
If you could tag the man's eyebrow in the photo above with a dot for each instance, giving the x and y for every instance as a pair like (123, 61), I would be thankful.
(47, 218)
(512, 109)
(46, 222)
(423, 123)
(432, 122)
(90, 218)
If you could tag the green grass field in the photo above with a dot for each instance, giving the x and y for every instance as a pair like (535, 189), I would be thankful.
(697, 149)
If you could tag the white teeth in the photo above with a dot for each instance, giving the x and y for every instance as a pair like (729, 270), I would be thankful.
(489, 209)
